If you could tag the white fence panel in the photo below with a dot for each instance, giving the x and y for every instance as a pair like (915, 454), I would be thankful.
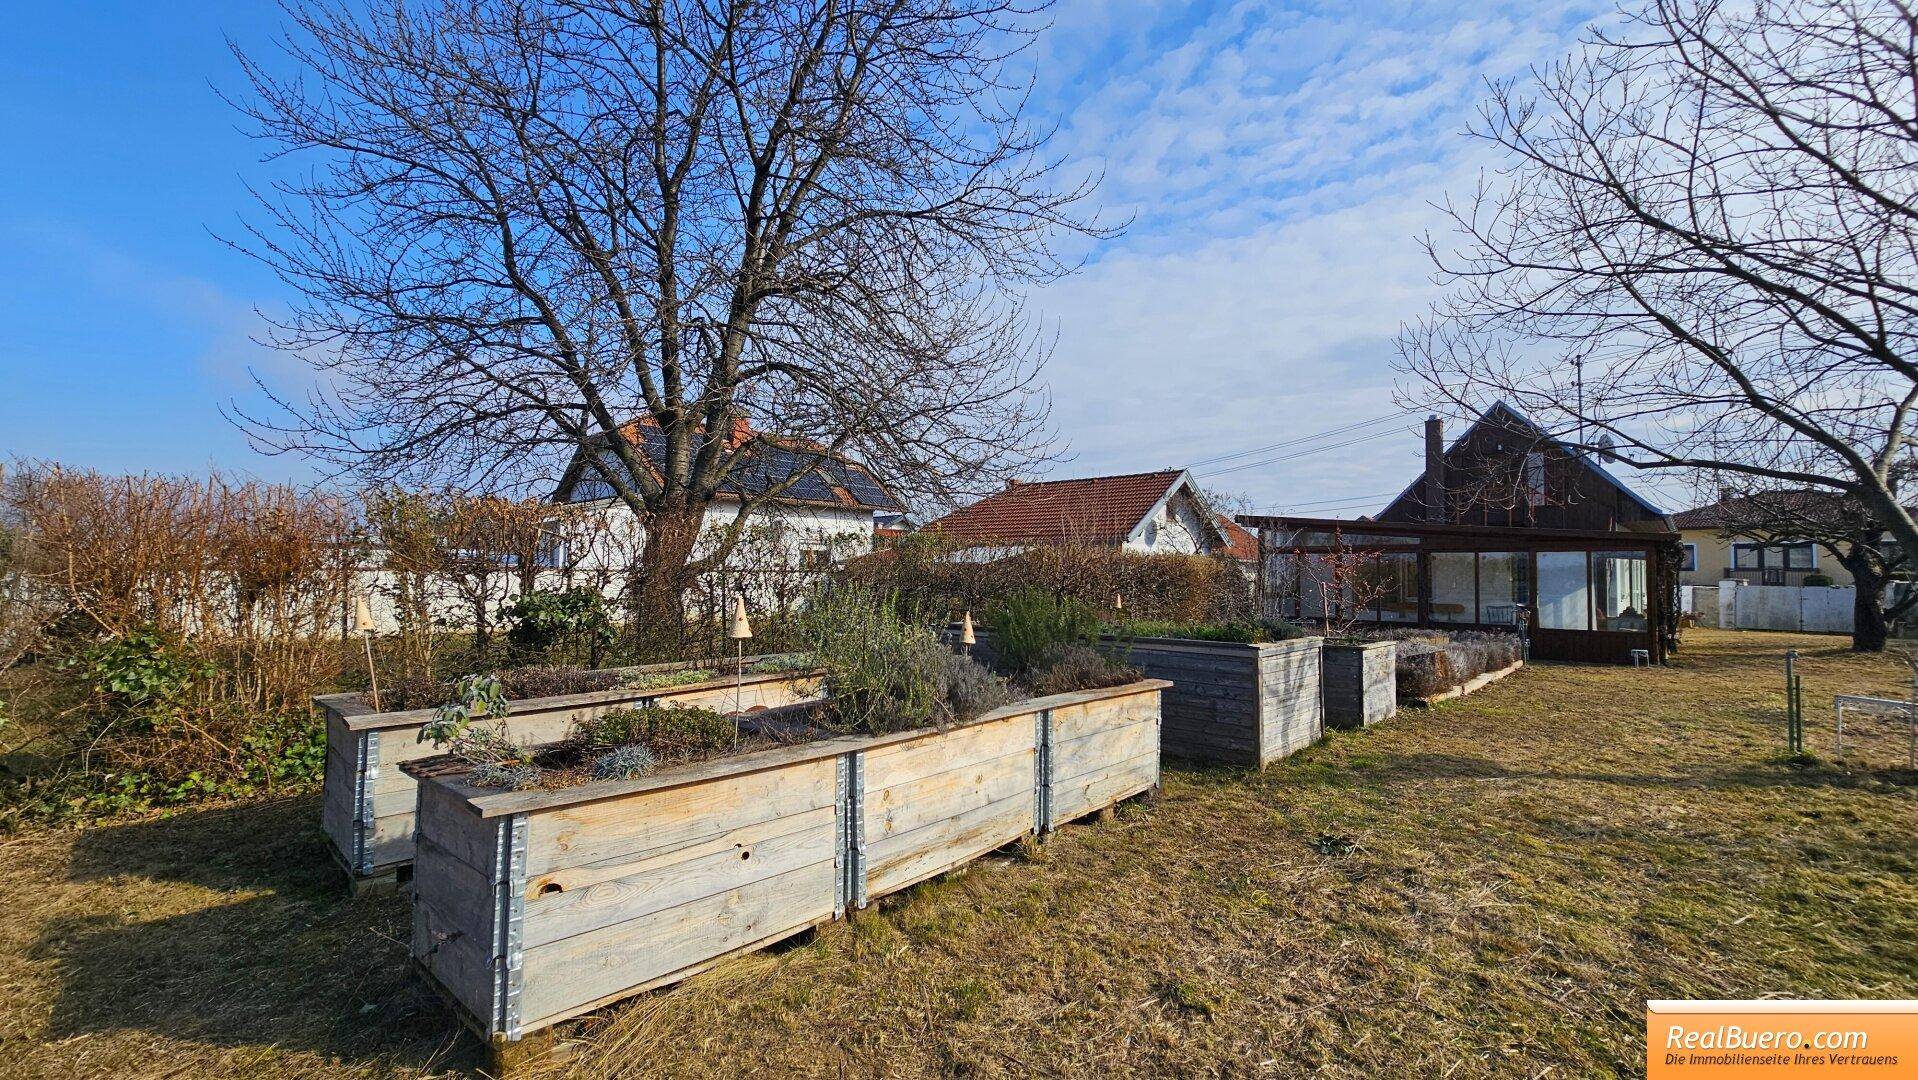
(1815, 609)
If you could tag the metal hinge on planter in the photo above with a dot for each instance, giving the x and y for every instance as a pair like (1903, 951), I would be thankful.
(509, 923)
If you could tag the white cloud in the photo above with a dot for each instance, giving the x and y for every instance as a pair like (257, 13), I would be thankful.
(1280, 164)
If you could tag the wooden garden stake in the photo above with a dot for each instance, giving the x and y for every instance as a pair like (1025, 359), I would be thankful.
(363, 622)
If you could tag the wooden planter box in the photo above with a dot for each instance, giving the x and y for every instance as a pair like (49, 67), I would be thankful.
(531, 907)
(1228, 702)
(368, 806)
(1238, 704)
(1361, 683)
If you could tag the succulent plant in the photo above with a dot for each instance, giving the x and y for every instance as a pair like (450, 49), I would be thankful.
(513, 776)
(624, 763)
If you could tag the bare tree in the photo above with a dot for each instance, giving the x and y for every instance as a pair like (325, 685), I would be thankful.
(1702, 247)
(1846, 530)
(530, 222)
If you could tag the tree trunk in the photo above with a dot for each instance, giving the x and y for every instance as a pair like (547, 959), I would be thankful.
(659, 596)
(1869, 628)
(482, 630)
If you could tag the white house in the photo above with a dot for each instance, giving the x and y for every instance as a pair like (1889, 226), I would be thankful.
(825, 516)
(1152, 513)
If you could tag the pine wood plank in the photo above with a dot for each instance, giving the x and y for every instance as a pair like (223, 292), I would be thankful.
(651, 822)
(561, 976)
(556, 916)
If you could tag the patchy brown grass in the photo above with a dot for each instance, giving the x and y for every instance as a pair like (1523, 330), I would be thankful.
(1492, 887)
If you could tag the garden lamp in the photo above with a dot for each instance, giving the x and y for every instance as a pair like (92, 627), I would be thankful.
(363, 622)
(1118, 601)
(739, 632)
(966, 637)
(741, 629)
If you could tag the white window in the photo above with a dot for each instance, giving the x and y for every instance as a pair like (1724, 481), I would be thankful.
(1800, 556)
(1535, 478)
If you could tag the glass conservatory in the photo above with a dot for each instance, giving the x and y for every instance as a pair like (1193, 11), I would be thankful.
(1587, 596)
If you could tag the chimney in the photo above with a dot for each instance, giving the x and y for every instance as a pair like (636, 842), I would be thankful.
(1434, 470)
(741, 431)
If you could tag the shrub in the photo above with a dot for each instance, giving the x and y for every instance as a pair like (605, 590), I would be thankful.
(545, 618)
(671, 733)
(1074, 667)
(1244, 632)
(880, 668)
(1817, 579)
(1029, 626)
(968, 689)
(1185, 588)
(139, 677)
(1424, 672)
(1434, 661)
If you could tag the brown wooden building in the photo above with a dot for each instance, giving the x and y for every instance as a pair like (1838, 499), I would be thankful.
(1506, 528)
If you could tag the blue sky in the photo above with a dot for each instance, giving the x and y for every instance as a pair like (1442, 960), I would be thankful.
(1277, 160)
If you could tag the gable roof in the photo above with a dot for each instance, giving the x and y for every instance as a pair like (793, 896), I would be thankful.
(830, 480)
(1092, 510)
(1241, 543)
(1512, 418)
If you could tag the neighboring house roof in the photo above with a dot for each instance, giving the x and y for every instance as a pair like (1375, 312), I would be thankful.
(1726, 513)
(1505, 414)
(1091, 510)
(830, 480)
(1240, 542)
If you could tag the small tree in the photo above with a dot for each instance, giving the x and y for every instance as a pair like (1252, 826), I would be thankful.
(1347, 582)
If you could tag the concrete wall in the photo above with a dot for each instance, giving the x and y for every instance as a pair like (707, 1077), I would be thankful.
(1732, 605)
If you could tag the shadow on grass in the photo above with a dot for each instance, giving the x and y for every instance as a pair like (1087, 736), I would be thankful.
(1419, 768)
(282, 959)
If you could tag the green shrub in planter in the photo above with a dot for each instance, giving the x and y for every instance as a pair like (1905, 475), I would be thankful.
(1817, 579)
(1030, 626)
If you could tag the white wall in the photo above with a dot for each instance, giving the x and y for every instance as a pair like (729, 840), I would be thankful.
(767, 567)
(794, 529)
(1814, 609)
(1175, 528)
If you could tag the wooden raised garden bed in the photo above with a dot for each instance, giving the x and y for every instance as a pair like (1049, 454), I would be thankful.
(1229, 702)
(1361, 682)
(534, 906)
(368, 806)
(1476, 682)
(1235, 703)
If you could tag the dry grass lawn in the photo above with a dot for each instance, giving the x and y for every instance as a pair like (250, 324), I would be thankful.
(1490, 888)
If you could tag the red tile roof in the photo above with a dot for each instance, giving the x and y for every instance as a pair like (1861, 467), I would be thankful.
(1241, 543)
(1776, 503)
(1095, 510)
